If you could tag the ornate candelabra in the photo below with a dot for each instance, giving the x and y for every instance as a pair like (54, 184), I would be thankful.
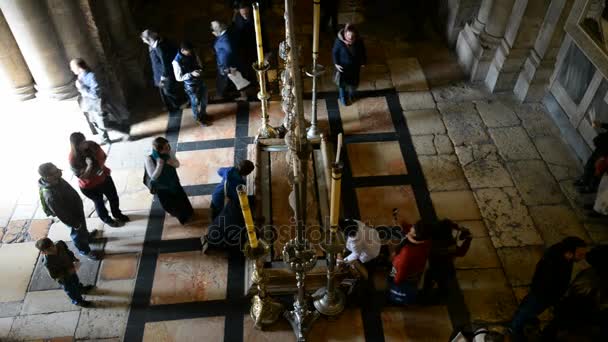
(264, 310)
(315, 72)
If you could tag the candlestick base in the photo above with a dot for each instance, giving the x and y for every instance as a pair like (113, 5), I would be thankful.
(301, 320)
(315, 70)
(330, 304)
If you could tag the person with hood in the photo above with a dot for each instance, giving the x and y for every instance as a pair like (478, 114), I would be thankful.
(348, 56)
(549, 283)
(161, 167)
(226, 216)
(409, 263)
(188, 69)
(226, 58)
(96, 101)
(59, 199)
(162, 52)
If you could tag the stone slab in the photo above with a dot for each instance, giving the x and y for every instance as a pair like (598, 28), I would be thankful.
(407, 74)
(87, 272)
(10, 309)
(495, 113)
(535, 183)
(424, 145)
(458, 92)
(59, 231)
(416, 323)
(443, 144)
(513, 143)
(118, 245)
(18, 261)
(463, 124)
(5, 327)
(16, 231)
(481, 255)
(536, 120)
(443, 173)
(555, 222)
(559, 158)
(416, 100)
(506, 218)
(424, 121)
(186, 330)
(39, 302)
(576, 199)
(376, 159)
(519, 263)
(116, 267)
(31, 327)
(483, 167)
(487, 295)
(444, 203)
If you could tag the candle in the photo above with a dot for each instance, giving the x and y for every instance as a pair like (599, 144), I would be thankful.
(316, 24)
(242, 192)
(258, 33)
(336, 182)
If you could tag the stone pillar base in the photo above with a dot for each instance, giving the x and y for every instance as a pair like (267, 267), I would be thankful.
(505, 68)
(64, 92)
(475, 53)
(24, 93)
(533, 79)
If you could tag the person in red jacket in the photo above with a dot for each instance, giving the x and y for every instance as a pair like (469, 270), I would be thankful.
(409, 263)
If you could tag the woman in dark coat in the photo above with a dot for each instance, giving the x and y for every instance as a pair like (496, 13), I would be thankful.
(348, 56)
(161, 168)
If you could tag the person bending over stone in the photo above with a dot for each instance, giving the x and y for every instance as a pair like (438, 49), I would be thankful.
(59, 262)
(161, 167)
(60, 200)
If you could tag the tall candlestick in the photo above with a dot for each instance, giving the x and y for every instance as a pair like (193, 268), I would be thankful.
(316, 24)
(336, 182)
(258, 33)
(242, 192)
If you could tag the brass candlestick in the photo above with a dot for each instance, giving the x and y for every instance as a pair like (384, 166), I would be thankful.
(265, 131)
(315, 71)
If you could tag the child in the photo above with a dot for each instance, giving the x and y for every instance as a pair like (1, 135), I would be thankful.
(59, 262)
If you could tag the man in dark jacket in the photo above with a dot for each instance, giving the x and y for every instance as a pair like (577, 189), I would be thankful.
(59, 199)
(243, 31)
(188, 69)
(549, 283)
(226, 57)
(59, 262)
(349, 56)
(162, 53)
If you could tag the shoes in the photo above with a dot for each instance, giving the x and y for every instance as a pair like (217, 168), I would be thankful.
(86, 288)
(204, 122)
(112, 223)
(122, 218)
(91, 255)
(95, 234)
(84, 303)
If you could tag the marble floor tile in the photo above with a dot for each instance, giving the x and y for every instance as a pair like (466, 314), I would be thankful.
(513, 143)
(556, 222)
(31, 327)
(136, 200)
(463, 124)
(455, 205)
(5, 326)
(459, 92)
(119, 266)
(376, 204)
(39, 302)
(416, 100)
(126, 244)
(407, 75)
(424, 145)
(487, 295)
(137, 226)
(16, 273)
(376, 159)
(279, 331)
(186, 330)
(559, 158)
(495, 113)
(483, 167)
(536, 120)
(480, 255)
(416, 323)
(200, 167)
(10, 309)
(59, 231)
(39, 229)
(348, 326)
(519, 263)
(443, 144)
(425, 121)
(197, 226)
(507, 218)
(275, 115)
(443, 173)
(16, 231)
(189, 277)
(367, 115)
(223, 118)
(535, 183)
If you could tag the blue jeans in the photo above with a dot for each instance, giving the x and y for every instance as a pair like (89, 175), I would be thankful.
(72, 287)
(346, 93)
(197, 93)
(528, 310)
(80, 237)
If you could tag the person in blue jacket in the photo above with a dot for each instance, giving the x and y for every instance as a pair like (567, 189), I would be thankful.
(348, 56)
(231, 178)
(226, 56)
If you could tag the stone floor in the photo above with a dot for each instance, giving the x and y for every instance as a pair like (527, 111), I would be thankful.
(418, 139)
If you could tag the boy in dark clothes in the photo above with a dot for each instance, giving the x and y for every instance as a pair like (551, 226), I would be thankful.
(59, 262)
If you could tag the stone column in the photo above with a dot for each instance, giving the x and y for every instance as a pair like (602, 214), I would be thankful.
(482, 16)
(13, 71)
(35, 34)
(72, 30)
(476, 51)
(522, 28)
(458, 13)
(537, 69)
